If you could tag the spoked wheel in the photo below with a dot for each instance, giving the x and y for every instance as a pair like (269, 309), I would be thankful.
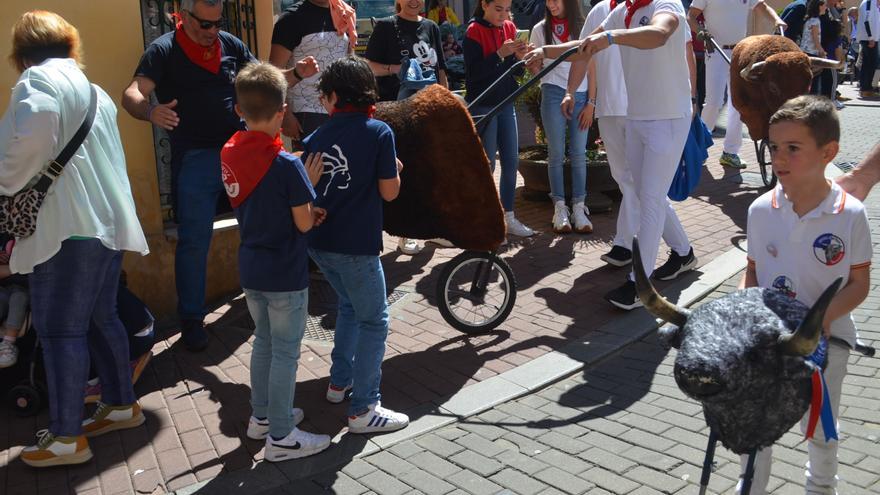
(476, 292)
(765, 163)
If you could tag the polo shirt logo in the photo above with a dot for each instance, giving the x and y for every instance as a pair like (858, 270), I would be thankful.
(644, 21)
(785, 285)
(336, 165)
(829, 249)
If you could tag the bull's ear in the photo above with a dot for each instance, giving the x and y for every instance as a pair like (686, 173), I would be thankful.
(753, 72)
(654, 302)
(804, 340)
(670, 336)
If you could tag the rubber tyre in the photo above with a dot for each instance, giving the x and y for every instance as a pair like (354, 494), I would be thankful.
(25, 400)
(767, 175)
(443, 300)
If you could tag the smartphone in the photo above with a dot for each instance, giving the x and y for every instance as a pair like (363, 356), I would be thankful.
(523, 35)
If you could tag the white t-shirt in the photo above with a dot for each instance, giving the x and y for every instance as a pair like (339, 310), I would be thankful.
(803, 256)
(726, 20)
(658, 82)
(610, 88)
(559, 75)
(869, 12)
(807, 44)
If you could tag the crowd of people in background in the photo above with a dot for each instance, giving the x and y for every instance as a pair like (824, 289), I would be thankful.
(226, 114)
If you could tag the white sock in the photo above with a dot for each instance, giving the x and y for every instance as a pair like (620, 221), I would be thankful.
(508, 216)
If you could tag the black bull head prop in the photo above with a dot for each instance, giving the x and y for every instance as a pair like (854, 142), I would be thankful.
(743, 357)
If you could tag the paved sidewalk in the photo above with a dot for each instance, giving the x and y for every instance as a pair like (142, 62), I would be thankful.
(197, 405)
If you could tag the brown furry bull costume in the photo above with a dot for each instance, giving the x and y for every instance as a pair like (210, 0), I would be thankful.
(743, 358)
(446, 187)
(765, 72)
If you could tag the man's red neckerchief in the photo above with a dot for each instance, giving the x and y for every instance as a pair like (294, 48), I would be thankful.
(631, 8)
(207, 58)
(244, 160)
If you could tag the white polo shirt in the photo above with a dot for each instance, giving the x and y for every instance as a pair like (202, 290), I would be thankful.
(610, 88)
(658, 85)
(726, 20)
(803, 256)
(559, 75)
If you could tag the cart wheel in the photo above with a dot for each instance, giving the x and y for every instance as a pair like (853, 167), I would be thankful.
(25, 399)
(476, 291)
(765, 164)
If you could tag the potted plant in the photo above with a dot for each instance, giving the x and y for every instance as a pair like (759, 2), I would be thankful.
(533, 160)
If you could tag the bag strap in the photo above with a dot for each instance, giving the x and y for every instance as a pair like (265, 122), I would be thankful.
(56, 166)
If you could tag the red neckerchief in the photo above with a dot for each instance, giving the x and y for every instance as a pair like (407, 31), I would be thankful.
(207, 58)
(632, 7)
(244, 160)
(370, 110)
(559, 28)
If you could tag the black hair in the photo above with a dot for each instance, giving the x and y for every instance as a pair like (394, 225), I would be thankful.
(813, 8)
(352, 81)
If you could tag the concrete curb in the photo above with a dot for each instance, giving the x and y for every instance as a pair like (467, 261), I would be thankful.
(553, 366)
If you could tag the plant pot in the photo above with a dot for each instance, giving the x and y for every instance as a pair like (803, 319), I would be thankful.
(600, 185)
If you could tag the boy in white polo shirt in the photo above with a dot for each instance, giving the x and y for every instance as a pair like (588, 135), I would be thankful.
(803, 235)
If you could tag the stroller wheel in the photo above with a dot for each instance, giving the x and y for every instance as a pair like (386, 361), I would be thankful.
(25, 399)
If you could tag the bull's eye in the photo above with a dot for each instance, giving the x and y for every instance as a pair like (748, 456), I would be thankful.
(755, 355)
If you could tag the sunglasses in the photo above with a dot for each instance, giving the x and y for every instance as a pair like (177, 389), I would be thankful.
(206, 24)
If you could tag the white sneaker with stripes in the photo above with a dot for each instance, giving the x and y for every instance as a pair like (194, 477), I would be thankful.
(377, 419)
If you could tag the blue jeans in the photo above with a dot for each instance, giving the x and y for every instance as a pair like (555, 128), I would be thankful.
(361, 324)
(280, 320)
(555, 126)
(198, 189)
(500, 135)
(73, 288)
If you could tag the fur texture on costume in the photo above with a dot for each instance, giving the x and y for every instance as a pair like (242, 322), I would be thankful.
(729, 361)
(446, 186)
(765, 72)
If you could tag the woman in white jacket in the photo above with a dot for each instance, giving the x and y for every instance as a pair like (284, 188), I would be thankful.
(86, 221)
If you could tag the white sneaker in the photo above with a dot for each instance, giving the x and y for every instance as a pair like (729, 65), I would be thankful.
(838, 104)
(561, 223)
(440, 242)
(336, 395)
(582, 224)
(377, 419)
(258, 429)
(296, 444)
(515, 227)
(8, 353)
(408, 246)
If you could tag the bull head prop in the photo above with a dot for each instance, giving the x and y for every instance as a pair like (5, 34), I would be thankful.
(765, 72)
(739, 357)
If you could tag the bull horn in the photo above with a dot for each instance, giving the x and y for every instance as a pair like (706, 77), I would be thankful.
(817, 63)
(747, 72)
(656, 304)
(804, 340)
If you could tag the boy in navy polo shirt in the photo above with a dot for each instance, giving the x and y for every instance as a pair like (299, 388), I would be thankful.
(802, 236)
(272, 194)
(360, 171)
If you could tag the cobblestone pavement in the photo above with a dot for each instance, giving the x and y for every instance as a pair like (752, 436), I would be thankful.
(197, 404)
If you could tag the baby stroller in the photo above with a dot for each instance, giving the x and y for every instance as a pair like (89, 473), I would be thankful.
(29, 394)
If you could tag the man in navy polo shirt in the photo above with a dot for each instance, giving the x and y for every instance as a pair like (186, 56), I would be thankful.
(192, 71)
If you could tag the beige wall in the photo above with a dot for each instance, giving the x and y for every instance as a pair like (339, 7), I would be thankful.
(113, 42)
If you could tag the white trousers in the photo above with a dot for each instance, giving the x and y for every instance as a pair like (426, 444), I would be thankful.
(718, 80)
(613, 130)
(822, 467)
(653, 151)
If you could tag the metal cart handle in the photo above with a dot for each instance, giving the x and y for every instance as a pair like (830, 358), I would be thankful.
(482, 120)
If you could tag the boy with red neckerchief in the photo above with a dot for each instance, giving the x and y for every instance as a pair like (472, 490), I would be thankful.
(272, 195)
(360, 172)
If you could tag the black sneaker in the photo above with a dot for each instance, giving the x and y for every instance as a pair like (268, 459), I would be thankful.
(624, 297)
(195, 337)
(676, 265)
(618, 256)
